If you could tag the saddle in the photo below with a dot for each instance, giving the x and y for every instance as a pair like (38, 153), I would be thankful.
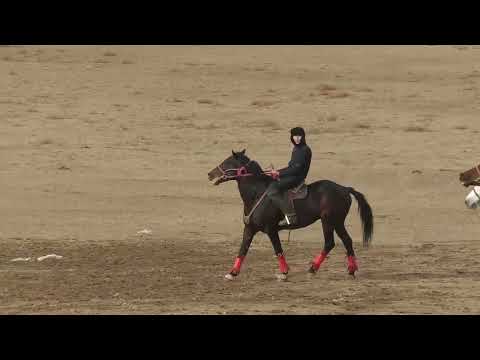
(299, 192)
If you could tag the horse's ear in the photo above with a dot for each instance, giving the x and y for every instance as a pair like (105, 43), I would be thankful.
(243, 151)
(234, 153)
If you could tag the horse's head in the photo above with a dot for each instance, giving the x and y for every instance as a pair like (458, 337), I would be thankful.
(231, 168)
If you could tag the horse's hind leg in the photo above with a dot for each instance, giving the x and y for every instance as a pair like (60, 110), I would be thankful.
(329, 245)
(347, 242)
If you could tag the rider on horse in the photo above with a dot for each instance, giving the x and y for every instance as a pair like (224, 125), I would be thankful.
(291, 176)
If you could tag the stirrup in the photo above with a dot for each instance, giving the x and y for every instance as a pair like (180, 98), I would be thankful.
(289, 220)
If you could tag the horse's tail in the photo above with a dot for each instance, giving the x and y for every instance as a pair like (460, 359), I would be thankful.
(365, 215)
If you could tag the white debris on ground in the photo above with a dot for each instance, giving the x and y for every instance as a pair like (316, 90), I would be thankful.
(41, 258)
(144, 232)
(49, 256)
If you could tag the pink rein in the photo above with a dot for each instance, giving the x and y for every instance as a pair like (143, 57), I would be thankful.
(239, 172)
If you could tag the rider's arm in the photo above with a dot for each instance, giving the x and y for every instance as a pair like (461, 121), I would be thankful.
(297, 164)
(292, 170)
(300, 159)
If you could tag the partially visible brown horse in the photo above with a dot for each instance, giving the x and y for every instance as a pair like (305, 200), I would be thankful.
(471, 177)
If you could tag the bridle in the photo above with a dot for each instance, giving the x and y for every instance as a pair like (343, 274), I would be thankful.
(239, 172)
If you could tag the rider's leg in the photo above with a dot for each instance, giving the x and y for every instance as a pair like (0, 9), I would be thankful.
(279, 196)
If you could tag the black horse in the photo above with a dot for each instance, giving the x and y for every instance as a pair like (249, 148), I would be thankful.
(326, 200)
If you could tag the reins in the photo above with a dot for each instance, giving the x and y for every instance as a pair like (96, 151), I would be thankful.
(239, 172)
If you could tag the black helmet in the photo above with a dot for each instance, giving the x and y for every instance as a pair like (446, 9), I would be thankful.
(297, 131)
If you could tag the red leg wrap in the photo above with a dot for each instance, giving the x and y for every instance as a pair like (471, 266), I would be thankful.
(319, 260)
(282, 264)
(237, 265)
(352, 264)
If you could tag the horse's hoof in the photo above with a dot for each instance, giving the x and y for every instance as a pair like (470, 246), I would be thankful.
(352, 274)
(281, 277)
(352, 265)
(312, 270)
(230, 277)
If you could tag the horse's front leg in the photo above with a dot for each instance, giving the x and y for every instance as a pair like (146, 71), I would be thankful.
(248, 234)
(277, 247)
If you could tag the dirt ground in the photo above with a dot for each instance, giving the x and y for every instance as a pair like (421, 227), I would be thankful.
(100, 142)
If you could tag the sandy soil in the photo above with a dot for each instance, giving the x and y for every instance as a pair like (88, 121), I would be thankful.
(99, 142)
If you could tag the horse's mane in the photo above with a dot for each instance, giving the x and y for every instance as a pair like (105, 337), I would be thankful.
(470, 175)
(255, 168)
